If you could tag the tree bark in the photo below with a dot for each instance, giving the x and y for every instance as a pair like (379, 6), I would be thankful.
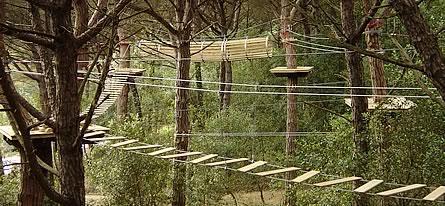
(424, 40)
(222, 80)
(184, 24)
(136, 98)
(291, 120)
(376, 66)
(124, 54)
(359, 104)
(228, 86)
(67, 110)
(200, 98)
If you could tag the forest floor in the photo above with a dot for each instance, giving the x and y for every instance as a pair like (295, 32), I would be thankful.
(254, 198)
(245, 198)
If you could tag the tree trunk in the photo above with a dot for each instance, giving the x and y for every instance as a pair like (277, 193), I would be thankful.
(124, 54)
(136, 98)
(222, 80)
(291, 120)
(424, 40)
(376, 66)
(228, 86)
(31, 193)
(81, 25)
(66, 112)
(359, 104)
(182, 119)
(200, 97)
(1, 164)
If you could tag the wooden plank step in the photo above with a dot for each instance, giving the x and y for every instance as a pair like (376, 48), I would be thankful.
(252, 166)
(368, 186)
(305, 176)
(185, 154)
(142, 147)
(401, 189)
(105, 139)
(158, 152)
(277, 171)
(204, 158)
(337, 181)
(435, 194)
(120, 144)
(92, 134)
(226, 162)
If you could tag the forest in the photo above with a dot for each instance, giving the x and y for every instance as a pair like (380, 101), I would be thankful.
(222, 102)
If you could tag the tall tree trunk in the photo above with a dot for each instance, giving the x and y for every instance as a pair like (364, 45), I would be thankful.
(124, 54)
(182, 119)
(291, 120)
(66, 112)
(359, 104)
(376, 66)
(424, 40)
(1, 163)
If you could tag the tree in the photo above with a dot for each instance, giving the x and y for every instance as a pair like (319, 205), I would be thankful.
(359, 103)
(181, 31)
(223, 17)
(65, 43)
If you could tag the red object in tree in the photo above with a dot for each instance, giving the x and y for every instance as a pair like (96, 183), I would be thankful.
(375, 24)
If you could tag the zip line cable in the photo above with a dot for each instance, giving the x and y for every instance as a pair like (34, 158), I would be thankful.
(235, 84)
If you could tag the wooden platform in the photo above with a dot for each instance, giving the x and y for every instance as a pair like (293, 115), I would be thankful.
(94, 131)
(129, 71)
(215, 51)
(397, 103)
(295, 72)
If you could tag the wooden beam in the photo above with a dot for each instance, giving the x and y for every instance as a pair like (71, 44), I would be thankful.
(204, 158)
(252, 166)
(435, 194)
(337, 181)
(93, 134)
(168, 149)
(401, 189)
(368, 186)
(185, 154)
(226, 162)
(305, 176)
(141, 147)
(277, 171)
(105, 139)
(120, 144)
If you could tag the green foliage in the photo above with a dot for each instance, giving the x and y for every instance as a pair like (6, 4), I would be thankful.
(9, 189)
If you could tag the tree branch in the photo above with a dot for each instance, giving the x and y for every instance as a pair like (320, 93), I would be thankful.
(160, 19)
(28, 35)
(99, 26)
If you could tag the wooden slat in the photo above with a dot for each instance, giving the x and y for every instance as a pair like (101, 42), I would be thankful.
(368, 186)
(185, 154)
(277, 171)
(337, 181)
(401, 189)
(252, 166)
(120, 144)
(305, 176)
(435, 194)
(105, 139)
(168, 149)
(226, 162)
(204, 158)
(141, 147)
(92, 134)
